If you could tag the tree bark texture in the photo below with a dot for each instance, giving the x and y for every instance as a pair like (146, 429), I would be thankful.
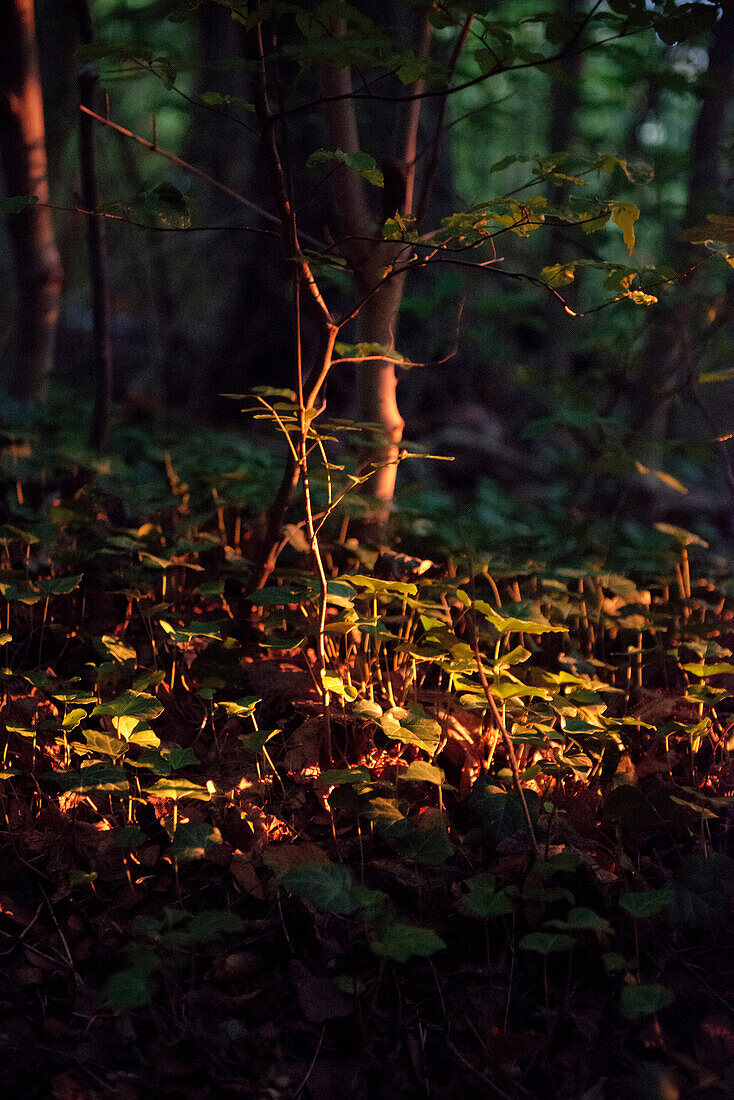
(23, 155)
(370, 258)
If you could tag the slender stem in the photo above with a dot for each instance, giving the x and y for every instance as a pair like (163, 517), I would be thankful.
(507, 740)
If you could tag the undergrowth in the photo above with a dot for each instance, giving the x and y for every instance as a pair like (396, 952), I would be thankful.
(494, 864)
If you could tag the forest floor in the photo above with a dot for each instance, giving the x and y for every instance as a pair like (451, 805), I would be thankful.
(496, 863)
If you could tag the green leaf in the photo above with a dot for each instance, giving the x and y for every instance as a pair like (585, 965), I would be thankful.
(58, 586)
(135, 704)
(279, 596)
(336, 686)
(242, 708)
(193, 630)
(401, 942)
(421, 772)
(483, 899)
(15, 203)
(613, 962)
(685, 538)
(708, 670)
(374, 585)
(178, 789)
(350, 776)
(643, 1000)
(192, 839)
(128, 988)
(545, 943)
(625, 214)
(412, 727)
(647, 903)
(116, 649)
(102, 743)
(129, 837)
(702, 888)
(330, 888)
(582, 920)
(558, 274)
(94, 779)
(425, 841)
(254, 742)
(210, 925)
(500, 812)
(367, 351)
(361, 163)
(534, 622)
(179, 757)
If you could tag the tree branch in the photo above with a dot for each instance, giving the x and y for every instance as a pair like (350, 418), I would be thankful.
(192, 170)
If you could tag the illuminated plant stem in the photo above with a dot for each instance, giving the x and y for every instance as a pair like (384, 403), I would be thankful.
(507, 740)
(305, 421)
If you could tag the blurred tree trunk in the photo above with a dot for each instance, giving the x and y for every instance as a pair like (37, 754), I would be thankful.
(709, 138)
(96, 242)
(23, 155)
(562, 128)
(247, 336)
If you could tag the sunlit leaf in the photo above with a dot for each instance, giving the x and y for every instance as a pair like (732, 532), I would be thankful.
(192, 839)
(625, 214)
(178, 789)
(135, 704)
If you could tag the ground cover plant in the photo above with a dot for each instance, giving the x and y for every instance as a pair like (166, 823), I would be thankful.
(414, 821)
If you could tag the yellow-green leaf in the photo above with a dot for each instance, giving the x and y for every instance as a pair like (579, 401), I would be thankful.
(625, 214)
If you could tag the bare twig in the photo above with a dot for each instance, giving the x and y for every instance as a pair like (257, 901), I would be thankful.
(192, 170)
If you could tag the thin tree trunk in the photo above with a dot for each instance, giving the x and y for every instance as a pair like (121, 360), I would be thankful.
(369, 257)
(97, 244)
(23, 154)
